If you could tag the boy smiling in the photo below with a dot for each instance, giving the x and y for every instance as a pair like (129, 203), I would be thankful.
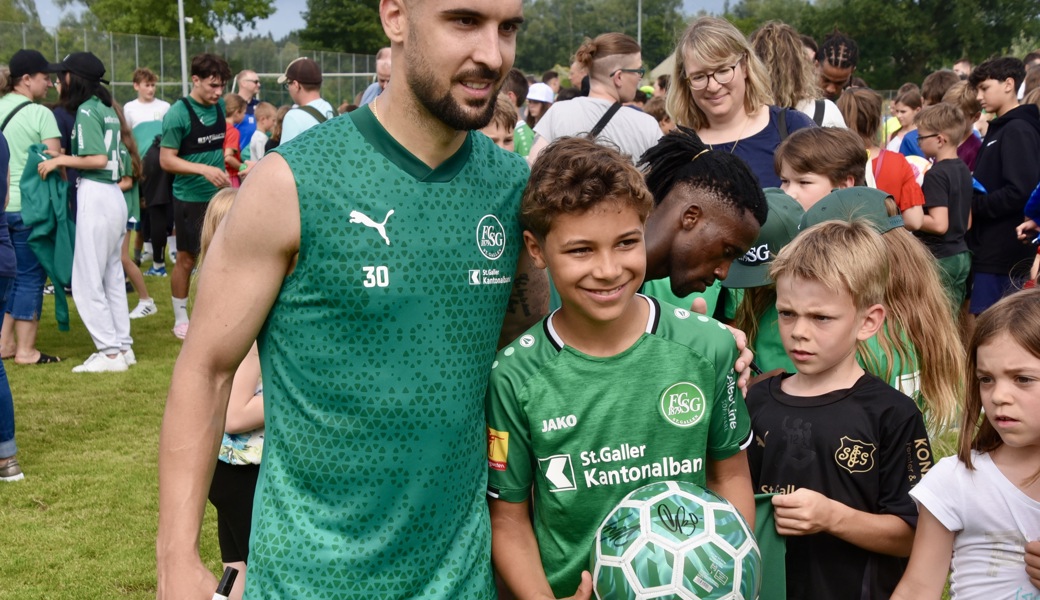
(611, 392)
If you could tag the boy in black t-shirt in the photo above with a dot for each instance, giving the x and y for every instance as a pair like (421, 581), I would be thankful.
(839, 447)
(947, 197)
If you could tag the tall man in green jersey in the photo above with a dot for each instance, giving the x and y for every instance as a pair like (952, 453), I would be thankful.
(374, 258)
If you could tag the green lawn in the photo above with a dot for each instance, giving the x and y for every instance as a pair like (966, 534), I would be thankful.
(82, 524)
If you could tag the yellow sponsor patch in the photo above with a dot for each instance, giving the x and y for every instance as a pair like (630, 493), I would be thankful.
(498, 449)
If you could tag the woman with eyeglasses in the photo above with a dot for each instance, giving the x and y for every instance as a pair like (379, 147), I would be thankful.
(720, 90)
(615, 66)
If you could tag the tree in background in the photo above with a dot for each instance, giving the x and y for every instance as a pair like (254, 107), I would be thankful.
(554, 29)
(19, 11)
(343, 26)
(904, 40)
(159, 17)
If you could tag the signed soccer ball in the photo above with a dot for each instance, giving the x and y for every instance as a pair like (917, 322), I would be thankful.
(674, 539)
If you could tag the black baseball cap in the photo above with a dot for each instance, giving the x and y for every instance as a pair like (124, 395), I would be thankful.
(84, 64)
(30, 62)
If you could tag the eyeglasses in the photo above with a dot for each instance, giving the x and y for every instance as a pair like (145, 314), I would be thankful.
(256, 81)
(722, 76)
(640, 71)
(285, 86)
(925, 137)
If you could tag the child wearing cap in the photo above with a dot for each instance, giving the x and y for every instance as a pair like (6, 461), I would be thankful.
(101, 214)
(539, 98)
(751, 294)
(839, 447)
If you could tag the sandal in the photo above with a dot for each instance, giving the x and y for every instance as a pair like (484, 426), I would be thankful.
(46, 359)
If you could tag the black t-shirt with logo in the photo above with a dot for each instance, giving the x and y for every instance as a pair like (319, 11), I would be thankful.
(865, 447)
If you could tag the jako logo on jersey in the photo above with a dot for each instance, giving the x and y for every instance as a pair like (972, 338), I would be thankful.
(683, 404)
(756, 256)
(357, 217)
(559, 472)
(559, 423)
(855, 456)
(491, 237)
(527, 340)
(498, 449)
(681, 313)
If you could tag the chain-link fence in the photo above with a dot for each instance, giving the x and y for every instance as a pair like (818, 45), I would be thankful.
(345, 75)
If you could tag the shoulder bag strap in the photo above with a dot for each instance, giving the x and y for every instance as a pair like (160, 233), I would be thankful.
(607, 116)
(14, 112)
(781, 124)
(310, 110)
(819, 112)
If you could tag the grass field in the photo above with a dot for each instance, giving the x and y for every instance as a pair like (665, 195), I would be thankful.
(82, 524)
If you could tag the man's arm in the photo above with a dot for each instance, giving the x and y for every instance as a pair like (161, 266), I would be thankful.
(731, 479)
(805, 512)
(514, 552)
(251, 254)
(171, 162)
(528, 301)
(539, 144)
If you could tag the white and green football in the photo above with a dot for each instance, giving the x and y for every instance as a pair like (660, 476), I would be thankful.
(674, 539)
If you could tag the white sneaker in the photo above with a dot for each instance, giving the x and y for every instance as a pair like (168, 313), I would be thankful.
(130, 357)
(144, 308)
(99, 362)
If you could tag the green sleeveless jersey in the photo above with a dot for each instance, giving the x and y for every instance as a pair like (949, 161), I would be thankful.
(584, 431)
(376, 357)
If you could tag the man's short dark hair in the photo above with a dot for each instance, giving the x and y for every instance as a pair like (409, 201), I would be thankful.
(999, 69)
(549, 76)
(208, 65)
(516, 84)
(839, 50)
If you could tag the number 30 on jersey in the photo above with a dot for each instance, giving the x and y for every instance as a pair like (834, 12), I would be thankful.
(376, 276)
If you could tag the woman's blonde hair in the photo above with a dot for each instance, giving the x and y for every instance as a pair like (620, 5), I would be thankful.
(918, 312)
(714, 43)
(791, 75)
(1017, 316)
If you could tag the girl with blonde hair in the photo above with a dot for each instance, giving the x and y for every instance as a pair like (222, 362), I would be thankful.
(791, 74)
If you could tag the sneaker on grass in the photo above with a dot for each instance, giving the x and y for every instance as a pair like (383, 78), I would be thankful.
(154, 271)
(181, 330)
(10, 470)
(144, 308)
(99, 362)
(130, 357)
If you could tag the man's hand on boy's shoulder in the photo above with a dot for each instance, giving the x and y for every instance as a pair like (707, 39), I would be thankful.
(745, 356)
(802, 512)
(1033, 562)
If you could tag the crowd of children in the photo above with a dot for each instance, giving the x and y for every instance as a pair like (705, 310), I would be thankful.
(852, 282)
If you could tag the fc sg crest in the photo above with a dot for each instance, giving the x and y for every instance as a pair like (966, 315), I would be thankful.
(855, 456)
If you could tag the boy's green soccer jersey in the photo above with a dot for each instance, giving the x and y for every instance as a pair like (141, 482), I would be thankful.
(585, 431)
(176, 127)
(97, 132)
(375, 357)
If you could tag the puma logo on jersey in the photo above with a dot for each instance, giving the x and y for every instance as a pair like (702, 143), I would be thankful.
(85, 111)
(357, 217)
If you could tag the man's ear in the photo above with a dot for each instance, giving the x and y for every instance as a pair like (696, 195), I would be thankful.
(873, 319)
(690, 216)
(534, 248)
(393, 15)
